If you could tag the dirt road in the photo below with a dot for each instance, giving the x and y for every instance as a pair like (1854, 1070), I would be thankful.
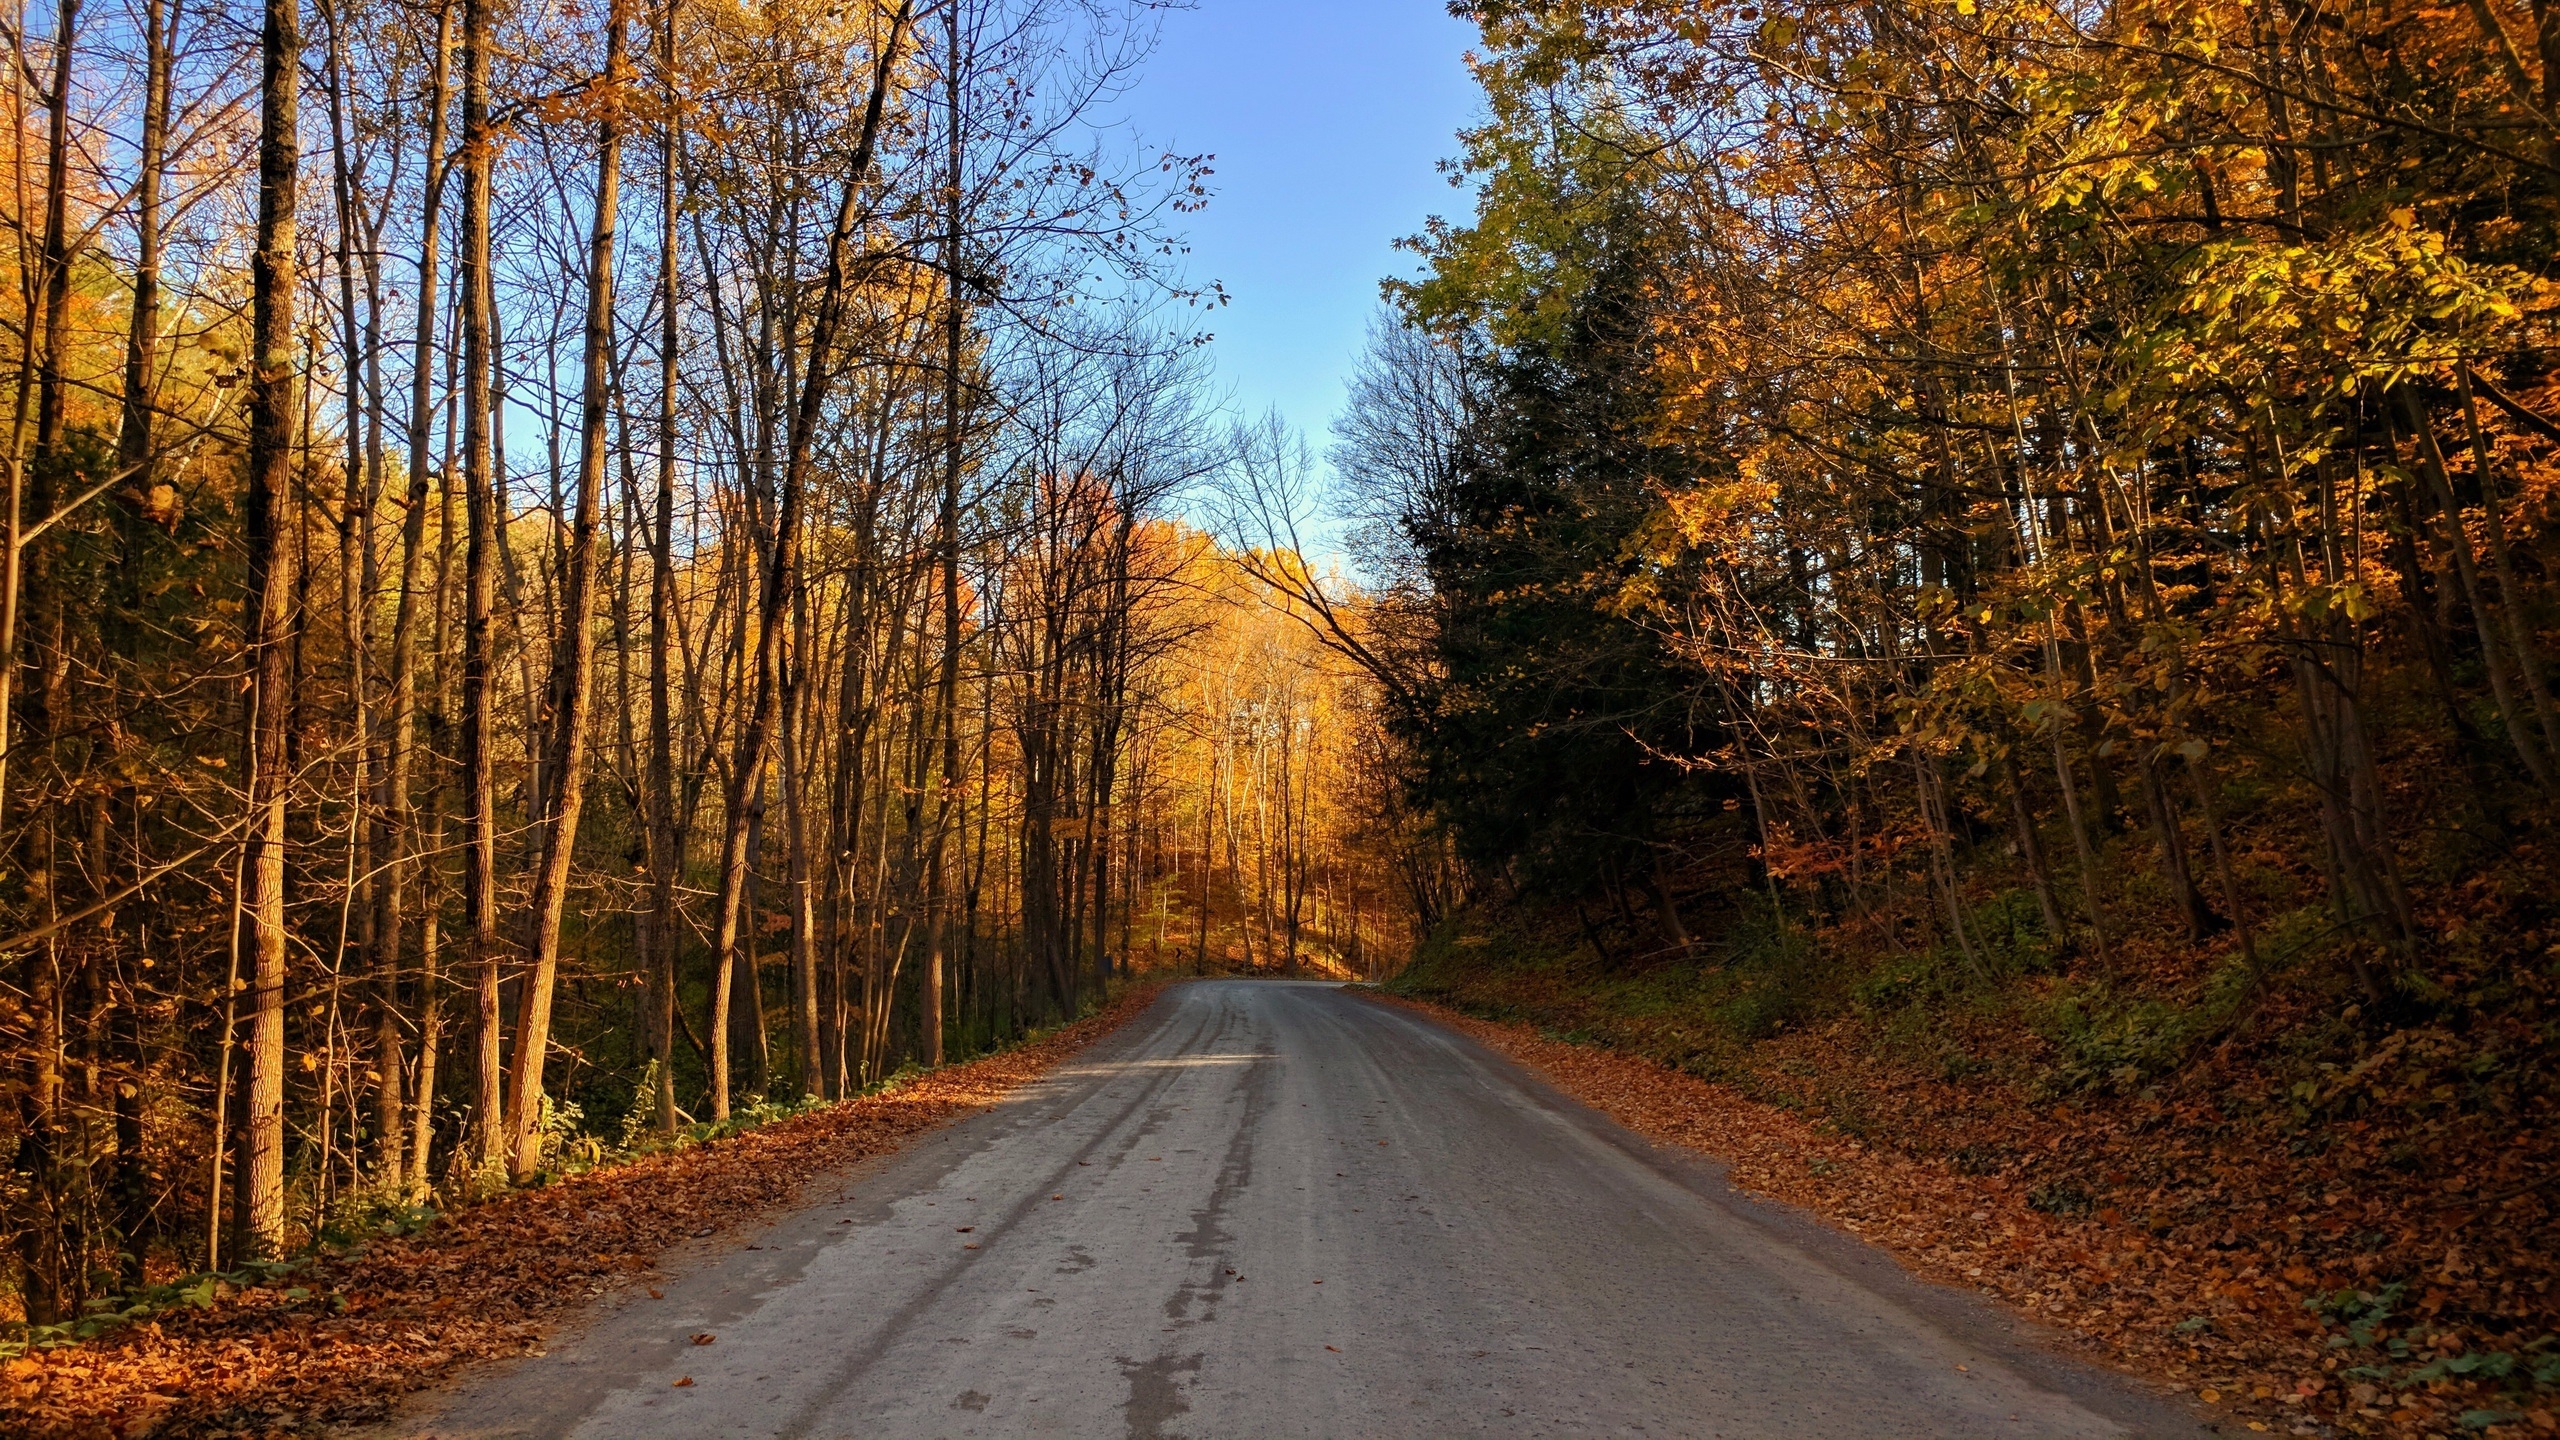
(1268, 1209)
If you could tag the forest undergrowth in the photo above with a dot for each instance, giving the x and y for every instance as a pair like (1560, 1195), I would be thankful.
(2317, 1221)
(338, 1336)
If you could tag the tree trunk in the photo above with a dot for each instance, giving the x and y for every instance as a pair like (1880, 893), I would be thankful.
(573, 652)
(946, 538)
(433, 885)
(399, 760)
(804, 953)
(666, 853)
(479, 583)
(356, 579)
(275, 411)
(2494, 651)
(2197, 916)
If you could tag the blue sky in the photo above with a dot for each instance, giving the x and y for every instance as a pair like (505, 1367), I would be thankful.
(1327, 118)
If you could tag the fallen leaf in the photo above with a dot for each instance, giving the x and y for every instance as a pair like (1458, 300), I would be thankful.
(1336, 1349)
(704, 1338)
(2106, 1261)
(681, 1383)
(160, 506)
(493, 1270)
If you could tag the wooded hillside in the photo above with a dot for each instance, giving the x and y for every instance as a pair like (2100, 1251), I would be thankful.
(1984, 570)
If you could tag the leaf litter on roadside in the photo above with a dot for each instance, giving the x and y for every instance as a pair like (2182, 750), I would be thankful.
(341, 1337)
(2256, 1325)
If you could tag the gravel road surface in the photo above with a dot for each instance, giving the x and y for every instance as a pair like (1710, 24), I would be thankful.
(1270, 1209)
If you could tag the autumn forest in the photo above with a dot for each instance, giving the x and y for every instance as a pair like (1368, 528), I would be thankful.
(826, 684)
(584, 579)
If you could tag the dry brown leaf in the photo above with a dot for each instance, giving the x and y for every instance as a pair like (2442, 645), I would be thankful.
(473, 1287)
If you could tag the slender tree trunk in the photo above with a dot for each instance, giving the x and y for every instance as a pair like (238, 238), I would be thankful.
(433, 884)
(2494, 651)
(44, 658)
(1208, 848)
(142, 337)
(2222, 862)
(400, 822)
(141, 503)
(947, 536)
(2529, 663)
(573, 662)
(804, 952)
(2093, 726)
(479, 584)
(748, 1004)
(2030, 847)
(666, 854)
(275, 410)
(53, 1271)
(356, 577)
(2197, 916)
(1942, 858)
(1672, 930)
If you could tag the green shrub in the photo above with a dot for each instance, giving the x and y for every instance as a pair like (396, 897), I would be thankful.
(2107, 1040)
(2010, 930)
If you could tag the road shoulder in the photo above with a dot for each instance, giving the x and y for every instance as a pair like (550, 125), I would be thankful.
(342, 1341)
(1890, 1223)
